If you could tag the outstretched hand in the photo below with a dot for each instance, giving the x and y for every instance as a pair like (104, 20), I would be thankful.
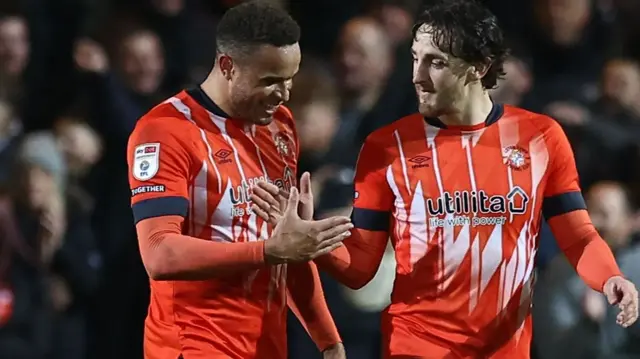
(305, 209)
(297, 240)
(335, 352)
(622, 293)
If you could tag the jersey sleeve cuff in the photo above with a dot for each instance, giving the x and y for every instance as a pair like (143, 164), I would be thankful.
(370, 219)
(562, 203)
(161, 206)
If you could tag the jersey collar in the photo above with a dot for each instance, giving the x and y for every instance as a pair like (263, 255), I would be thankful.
(198, 94)
(497, 110)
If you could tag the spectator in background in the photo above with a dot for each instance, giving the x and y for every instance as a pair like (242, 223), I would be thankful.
(315, 105)
(627, 12)
(396, 18)
(10, 129)
(570, 319)
(576, 37)
(25, 314)
(121, 94)
(362, 65)
(54, 234)
(122, 91)
(602, 132)
(179, 23)
(82, 148)
(363, 62)
(80, 145)
(142, 64)
(620, 91)
(619, 106)
(516, 84)
(14, 57)
(571, 42)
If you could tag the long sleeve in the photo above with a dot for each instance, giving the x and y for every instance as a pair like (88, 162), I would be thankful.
(587, 252)
(159, 170)
(306, 300)
(565, 211)
(357, 261)
(169, 255)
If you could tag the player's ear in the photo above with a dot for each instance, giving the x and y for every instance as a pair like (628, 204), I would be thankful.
(472, 75)
(478, 71)
(226, 66)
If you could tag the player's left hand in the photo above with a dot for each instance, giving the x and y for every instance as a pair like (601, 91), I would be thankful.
(621, 292)
(305, 210)
(269, 201)
(335, 352)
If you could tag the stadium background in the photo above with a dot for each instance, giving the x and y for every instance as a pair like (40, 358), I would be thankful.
(76, 74)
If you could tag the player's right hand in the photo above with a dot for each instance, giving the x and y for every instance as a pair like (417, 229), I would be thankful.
(623, 293)
(298, 240)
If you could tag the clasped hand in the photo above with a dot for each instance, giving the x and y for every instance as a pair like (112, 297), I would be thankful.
(295, 239)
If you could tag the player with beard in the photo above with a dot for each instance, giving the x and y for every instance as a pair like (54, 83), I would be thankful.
(461, 188)
(222, 278)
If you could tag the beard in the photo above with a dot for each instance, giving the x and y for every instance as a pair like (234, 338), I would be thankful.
(439, 103)
(430, 110)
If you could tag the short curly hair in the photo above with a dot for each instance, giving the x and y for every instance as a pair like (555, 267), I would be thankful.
(254, 23)
(467, 30)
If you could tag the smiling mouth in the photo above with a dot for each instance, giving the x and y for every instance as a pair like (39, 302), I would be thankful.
(270, 109)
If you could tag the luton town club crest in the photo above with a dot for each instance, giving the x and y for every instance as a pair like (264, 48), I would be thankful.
(283, 145)
(516, 157)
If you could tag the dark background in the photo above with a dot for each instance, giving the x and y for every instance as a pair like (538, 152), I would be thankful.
(83, 71)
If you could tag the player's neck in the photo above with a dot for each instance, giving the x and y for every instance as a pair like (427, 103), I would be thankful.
(472, 111)
(215, 88)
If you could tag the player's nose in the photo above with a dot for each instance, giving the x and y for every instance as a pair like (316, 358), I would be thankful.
(285, 95)
(283, 92)
(423, 79)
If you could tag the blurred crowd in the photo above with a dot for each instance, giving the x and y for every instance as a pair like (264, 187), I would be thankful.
(75, 75)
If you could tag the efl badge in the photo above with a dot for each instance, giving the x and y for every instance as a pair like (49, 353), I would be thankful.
(516, 157)
(283, 145)
(146, 161)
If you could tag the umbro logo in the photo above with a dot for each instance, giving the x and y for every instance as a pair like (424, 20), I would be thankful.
(420, 161)
(222, 156)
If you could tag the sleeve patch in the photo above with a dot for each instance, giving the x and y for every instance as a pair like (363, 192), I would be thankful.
(146, 161)
(147, 189)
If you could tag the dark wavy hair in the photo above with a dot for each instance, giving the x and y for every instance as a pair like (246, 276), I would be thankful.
(467, 30)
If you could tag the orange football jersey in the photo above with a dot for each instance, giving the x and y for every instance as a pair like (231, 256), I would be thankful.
(463, 207)
(187, 158)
